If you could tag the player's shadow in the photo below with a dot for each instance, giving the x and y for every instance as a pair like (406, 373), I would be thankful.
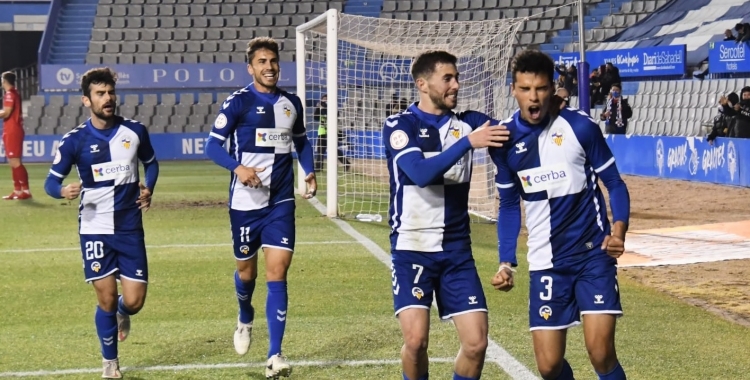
(31, 203)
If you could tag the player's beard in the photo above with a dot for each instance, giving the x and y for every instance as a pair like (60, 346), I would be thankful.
(442, 101)
(102, 114)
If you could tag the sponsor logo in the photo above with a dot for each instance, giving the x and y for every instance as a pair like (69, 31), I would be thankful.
(544, 178)
(273, 137)
(112, 170)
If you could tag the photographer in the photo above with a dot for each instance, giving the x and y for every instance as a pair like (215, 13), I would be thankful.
(616, 112)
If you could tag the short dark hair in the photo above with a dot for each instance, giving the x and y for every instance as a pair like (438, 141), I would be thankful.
(744, 90)
(258, 43)
(617, 85)
(102, 75)
(425, 63)
(10, 77)
(534, 62)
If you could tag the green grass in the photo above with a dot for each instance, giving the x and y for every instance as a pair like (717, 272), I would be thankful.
(340, 300)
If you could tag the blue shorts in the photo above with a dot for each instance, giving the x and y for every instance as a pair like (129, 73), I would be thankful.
(272, 227)
(559, 295)
(123, 255)
(452, 276)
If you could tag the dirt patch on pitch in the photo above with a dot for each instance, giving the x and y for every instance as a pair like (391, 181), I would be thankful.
(181, 205)
(721, 287)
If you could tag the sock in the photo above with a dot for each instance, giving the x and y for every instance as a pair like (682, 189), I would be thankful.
(245, 297)
(276, 304)
(426, 376)
(23, 178)
(616, 373)
(566, 373)
(16, 184)
(106, 329)
(122, 309)
(459, 377)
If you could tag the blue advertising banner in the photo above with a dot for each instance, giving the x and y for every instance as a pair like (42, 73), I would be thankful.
(726, 162)
(235, 75)
(215, 75)
(635, 62)
(728, 57)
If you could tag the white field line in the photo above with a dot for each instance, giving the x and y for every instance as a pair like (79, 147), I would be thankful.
(188, 367)
(158, 246)
(495, 353)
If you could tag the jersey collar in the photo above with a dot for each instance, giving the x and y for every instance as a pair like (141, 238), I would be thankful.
(435, 121)
(271, 98)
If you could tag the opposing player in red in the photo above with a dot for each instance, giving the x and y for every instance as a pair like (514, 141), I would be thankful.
(13, 137)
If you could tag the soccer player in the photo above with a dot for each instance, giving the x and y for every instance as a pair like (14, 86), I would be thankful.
(429, 152)
(554, 163)
(261, 122)
(13, 138)
(106, 150)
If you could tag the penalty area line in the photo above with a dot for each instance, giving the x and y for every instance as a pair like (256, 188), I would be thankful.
(495, 353)
(189, 367)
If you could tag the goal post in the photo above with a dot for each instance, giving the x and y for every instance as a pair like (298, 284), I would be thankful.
(362, 64)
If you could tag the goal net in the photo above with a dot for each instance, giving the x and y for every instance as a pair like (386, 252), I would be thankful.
(362, 65)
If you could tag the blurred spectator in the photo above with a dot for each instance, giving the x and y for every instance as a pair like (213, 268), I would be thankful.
(320, 114)
(743, 32)
(595, 88)
(609, 75)
(724, 122)
(616, 112)
(396, 105)
(728, 35)
(568, 78)
(563, 97)
(742, 124)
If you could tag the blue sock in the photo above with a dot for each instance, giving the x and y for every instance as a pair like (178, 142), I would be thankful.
(566, 373)
(122, 309)
(245, 298)
(276, 304)
(616, 373)
(459, 377)
(106, 329)
(426, 376)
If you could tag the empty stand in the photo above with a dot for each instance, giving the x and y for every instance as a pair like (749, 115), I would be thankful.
(200, 31)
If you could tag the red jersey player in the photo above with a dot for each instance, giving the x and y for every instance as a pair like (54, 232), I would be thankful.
(13, 137)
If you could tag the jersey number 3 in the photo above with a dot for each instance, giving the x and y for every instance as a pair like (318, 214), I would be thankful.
(546, 295)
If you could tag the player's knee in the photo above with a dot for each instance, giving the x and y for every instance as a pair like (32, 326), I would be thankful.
(14, 162)
(603, 359)
(248, 274)
(276, 272)
(415, 344)
(134, 305)
(107, 302)
(549, 370)
(475, 348)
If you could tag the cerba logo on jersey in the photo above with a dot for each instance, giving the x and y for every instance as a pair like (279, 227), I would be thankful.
(273, 137)
(544, 178)
(112, 170)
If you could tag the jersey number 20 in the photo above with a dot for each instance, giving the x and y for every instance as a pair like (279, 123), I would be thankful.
(94, 250)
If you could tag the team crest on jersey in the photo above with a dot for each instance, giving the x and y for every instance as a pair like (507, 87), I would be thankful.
(96, 267)
(557, 138)
(545, 312)
(455, 131)
(417, 292)
(126, 143)
(287, 111)
(245, 249)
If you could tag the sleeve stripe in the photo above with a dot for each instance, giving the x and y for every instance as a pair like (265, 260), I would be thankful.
(403, 152)
(504, 185)
(150, 160)
(300, 134)
(218, 136)
(56, 174)
(606, 165)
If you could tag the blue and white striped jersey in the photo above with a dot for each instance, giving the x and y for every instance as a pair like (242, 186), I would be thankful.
(260, 128)
(555, 169)
(429, 214)
(107, 164)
